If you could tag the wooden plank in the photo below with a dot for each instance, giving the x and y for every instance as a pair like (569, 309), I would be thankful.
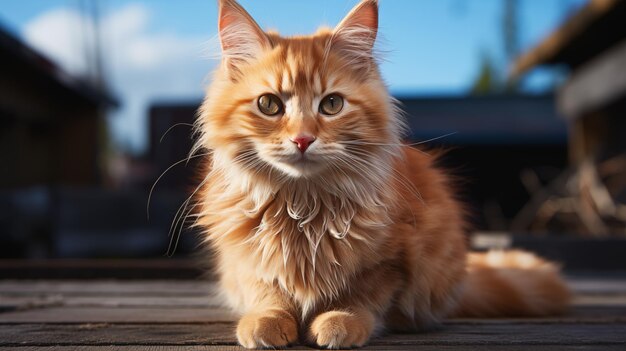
(579, 314)
(597, 286)
(149, 301)
(65, 314)
(21, 302)
(599, 300)
(223, 334)
(107, 288)
(116, 334)
(11, 303)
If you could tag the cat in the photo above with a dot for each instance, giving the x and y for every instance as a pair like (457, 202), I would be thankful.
(325, 228)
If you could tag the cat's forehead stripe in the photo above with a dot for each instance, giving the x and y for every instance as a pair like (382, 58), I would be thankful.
(301, 82)
(317, 84)
(283, 80)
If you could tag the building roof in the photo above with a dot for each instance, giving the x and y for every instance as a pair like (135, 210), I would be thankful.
(485, 120)
(15, 53)
(592, 29)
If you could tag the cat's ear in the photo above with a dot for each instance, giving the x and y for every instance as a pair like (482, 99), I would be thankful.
(240, 36)
(356, 34)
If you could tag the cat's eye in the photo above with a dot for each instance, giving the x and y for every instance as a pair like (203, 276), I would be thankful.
(270, 104)
(331, 104)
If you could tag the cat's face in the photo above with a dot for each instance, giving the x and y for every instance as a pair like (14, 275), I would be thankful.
(303, 106)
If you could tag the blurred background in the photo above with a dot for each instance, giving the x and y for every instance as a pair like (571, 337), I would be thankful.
(97, 99)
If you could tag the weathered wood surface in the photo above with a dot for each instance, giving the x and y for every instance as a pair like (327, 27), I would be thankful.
(182, 315)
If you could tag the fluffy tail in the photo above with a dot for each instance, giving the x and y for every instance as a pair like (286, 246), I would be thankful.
(512, 284)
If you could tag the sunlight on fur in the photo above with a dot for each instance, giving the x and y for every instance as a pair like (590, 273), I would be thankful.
(324, 227)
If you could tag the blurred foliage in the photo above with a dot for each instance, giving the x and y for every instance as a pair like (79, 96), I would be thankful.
(491, 77)
(488, 80)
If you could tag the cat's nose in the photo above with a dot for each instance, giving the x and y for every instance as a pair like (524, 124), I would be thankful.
(303, 141)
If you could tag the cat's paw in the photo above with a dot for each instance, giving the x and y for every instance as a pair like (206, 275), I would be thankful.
(267, 329)
(340, 329)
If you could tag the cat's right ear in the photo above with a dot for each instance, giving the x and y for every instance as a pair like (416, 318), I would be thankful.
(355, 35)
(240, 36)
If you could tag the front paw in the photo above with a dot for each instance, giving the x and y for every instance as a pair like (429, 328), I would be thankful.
(267, 329)
(340, 329)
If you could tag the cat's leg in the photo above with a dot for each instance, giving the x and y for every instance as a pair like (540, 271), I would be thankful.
(342, 328)
(270, 323)
(356, 316)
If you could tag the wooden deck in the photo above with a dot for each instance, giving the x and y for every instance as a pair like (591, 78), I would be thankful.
(179, 315)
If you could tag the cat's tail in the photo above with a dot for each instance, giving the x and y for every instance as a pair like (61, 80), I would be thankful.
(512, 284)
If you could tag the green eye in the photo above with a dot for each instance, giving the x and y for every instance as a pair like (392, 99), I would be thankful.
(331, 104)
(270, 104)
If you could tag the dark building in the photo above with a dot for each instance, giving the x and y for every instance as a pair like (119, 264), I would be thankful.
(51, 136)
(590, 198)
(499, 142)
(170, 141)
(51, 123)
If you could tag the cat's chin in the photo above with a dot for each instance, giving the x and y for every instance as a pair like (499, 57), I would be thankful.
(303, 168)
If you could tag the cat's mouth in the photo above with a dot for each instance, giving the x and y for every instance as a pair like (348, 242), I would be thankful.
(300, 160)
(300, 164)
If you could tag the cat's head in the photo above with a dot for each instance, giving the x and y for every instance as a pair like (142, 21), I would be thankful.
(299, 106)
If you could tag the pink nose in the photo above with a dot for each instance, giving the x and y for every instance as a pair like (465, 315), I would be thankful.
(303, 142)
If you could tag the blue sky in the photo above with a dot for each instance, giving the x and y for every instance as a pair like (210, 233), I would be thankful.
(159, 49)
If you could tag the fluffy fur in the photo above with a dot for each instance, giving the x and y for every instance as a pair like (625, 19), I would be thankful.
(357, 234)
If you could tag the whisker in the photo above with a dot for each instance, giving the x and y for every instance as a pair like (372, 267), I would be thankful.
(432, 139)
(172, 127)
(360, 142)
(181, 210)
(161, 176)
(170, 252)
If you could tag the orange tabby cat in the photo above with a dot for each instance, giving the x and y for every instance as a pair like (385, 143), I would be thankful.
(326, 229)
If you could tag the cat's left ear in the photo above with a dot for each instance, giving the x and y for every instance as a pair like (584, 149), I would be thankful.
(356, 33)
